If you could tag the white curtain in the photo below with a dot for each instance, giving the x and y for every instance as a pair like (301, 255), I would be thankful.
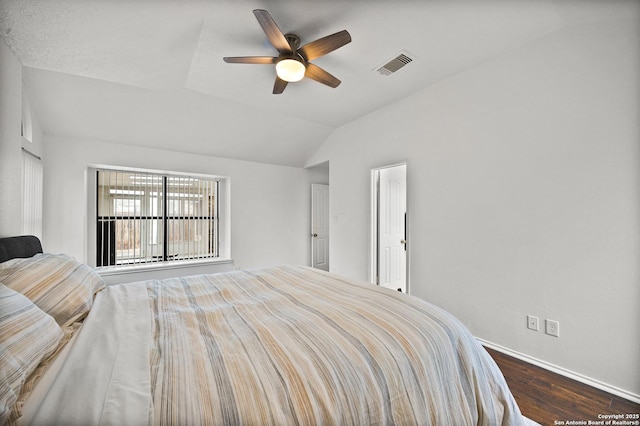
(32, 183)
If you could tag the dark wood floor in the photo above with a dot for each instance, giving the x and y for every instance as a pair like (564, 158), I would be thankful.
(549, 398)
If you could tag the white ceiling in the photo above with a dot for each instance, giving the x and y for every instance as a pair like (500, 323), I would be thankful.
(150, 72)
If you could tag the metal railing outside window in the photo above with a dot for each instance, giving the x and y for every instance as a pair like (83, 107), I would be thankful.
(146, 217)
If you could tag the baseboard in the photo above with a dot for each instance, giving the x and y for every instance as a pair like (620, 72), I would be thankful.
(564, 372)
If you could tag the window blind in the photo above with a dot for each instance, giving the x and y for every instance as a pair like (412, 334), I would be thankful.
(145, 217)
(32, 193)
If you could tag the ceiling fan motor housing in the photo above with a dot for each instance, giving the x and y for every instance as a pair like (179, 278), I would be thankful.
(294, 41)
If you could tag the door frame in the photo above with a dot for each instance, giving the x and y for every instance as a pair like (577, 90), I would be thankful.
(375, 206)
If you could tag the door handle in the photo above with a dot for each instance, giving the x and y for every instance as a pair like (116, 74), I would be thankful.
(403, 241)
(314, 235)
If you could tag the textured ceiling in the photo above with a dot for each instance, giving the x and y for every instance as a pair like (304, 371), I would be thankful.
(150, 72)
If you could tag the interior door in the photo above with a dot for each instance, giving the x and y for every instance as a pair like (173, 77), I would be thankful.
(320, 226)
(392, 254)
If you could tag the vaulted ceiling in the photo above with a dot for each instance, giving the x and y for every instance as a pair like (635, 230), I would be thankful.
(150, 72)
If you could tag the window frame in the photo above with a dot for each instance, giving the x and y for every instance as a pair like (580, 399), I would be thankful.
(223, 221)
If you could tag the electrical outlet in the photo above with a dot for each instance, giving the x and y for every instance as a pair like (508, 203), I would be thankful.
(552, 328)
(532, 323)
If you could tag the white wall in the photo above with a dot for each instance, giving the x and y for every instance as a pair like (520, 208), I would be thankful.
(270, 205)
(11, 142)
(524, 197)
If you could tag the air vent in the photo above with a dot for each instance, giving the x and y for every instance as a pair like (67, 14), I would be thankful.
(402, 59)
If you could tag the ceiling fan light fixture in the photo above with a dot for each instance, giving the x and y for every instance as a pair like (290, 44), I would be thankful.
(290, 70)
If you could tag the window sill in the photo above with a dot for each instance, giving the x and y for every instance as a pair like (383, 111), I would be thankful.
(123, 270)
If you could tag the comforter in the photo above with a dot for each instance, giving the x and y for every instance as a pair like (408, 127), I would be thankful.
(281, 345)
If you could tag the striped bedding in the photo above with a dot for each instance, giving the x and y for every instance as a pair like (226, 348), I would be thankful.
(274, 346)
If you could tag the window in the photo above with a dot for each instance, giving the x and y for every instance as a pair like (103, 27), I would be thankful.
(26, 126)
(147, 217)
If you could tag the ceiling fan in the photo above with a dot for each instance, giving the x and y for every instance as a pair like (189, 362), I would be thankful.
(292, 63)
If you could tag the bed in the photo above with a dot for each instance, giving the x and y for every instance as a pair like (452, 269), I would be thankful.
(278, 345)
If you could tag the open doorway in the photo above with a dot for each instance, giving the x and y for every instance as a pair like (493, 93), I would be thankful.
(389, 227)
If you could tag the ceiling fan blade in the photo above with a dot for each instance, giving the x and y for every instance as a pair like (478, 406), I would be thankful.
(324, 45)
(250, 59)
(271, 29)
(279, 86)
(316, 73)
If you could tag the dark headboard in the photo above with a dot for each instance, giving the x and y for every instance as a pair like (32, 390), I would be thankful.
(21, 246)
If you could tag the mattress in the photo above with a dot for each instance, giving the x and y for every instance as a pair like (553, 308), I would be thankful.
(281, 345)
